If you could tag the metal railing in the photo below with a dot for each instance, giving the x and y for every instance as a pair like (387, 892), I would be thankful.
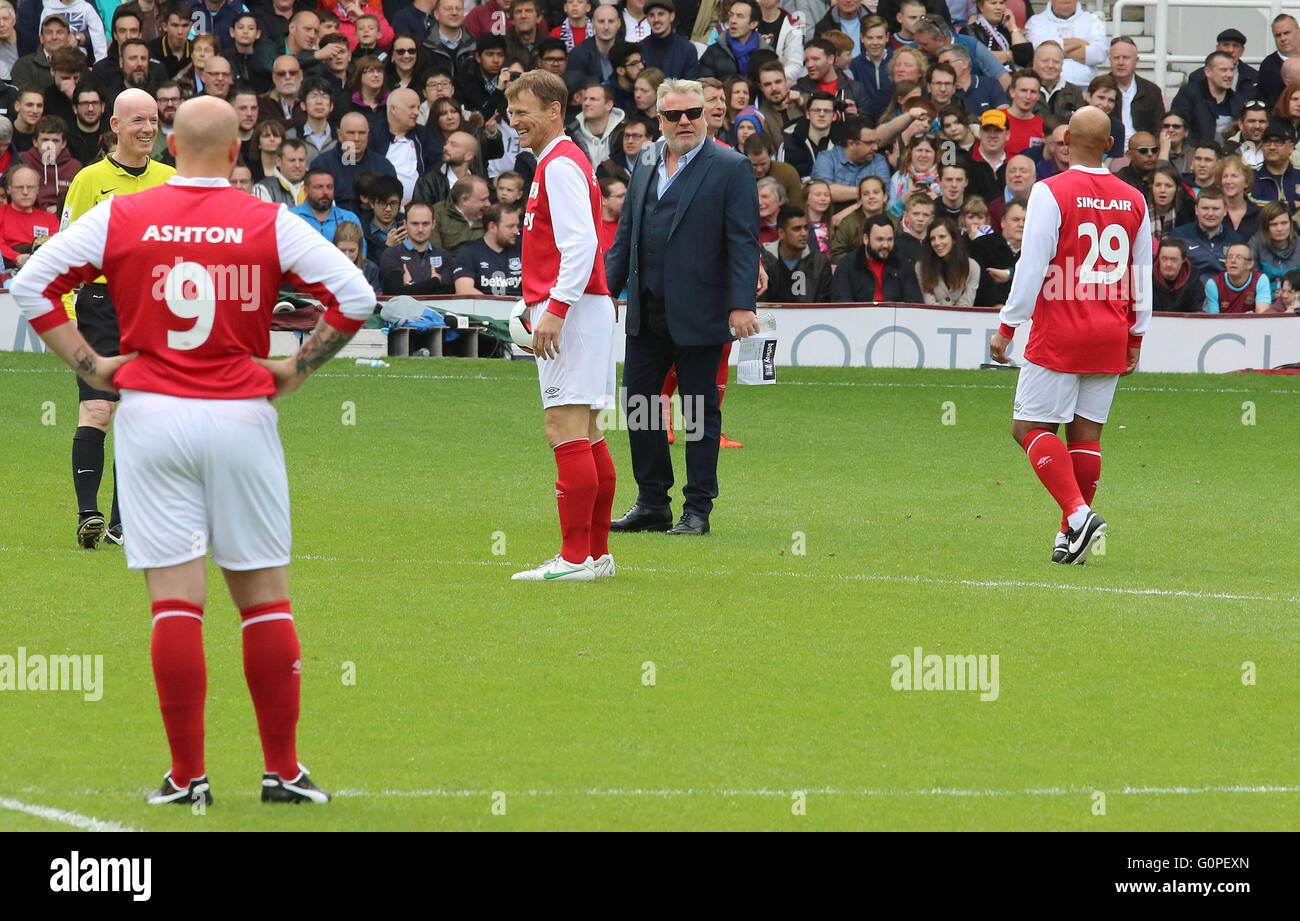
(1162, 56)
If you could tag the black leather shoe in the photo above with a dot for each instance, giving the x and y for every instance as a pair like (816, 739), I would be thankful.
(691, 523)
(644, 518)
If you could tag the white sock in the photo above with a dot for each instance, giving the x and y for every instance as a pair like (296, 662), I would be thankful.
(1078, 517)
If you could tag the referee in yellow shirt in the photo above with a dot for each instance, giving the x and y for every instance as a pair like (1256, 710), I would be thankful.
(129, 169)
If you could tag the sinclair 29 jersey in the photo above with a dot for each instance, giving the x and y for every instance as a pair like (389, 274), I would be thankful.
(1084, 273)
(194, 268)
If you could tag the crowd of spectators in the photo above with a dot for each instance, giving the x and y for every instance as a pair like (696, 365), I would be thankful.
(894, 142)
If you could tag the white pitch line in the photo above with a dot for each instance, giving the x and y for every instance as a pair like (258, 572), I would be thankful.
(786, 574)
(826, 791)
(867, 577)
(62, 816)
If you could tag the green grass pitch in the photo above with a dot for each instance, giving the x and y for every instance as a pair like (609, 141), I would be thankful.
(854, 526)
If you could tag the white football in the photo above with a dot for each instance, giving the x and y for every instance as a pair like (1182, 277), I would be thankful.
(521, 329)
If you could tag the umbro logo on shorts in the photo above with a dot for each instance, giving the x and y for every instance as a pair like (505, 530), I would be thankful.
(552, 391)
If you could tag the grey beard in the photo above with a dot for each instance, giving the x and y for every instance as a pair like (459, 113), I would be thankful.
(678, 147)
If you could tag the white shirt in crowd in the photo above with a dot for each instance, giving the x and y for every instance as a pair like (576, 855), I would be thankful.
(1047, 25)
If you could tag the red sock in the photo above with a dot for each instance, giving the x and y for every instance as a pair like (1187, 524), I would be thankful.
(1086, 457)
(604, 503)
(273, 670)
(1051, 463)
(182, 680)
(575, 494)
(670, 383)
(723, 368)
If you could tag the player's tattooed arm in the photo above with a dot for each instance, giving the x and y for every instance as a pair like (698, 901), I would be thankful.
(323, 345)
(67, 342)
(85, 361)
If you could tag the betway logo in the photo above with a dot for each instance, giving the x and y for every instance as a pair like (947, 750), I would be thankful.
(176, 233)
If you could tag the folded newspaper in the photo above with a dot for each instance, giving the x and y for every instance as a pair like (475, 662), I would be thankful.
(756, 360)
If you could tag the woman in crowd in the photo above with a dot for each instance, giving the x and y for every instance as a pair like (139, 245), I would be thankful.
(1288, 106)
(909, 65)
(348, 238)
(446, 117)
(848, 223)
(948, 277)
(817, 205)
(953, 122)
(1236, 178)
(917, 169)
(369, 97)
(996, 28)
(1274, 244)
(407, 65)
(1169, 205)
(645, 91)
(269, 134)
(736, 91)
(1173, 143)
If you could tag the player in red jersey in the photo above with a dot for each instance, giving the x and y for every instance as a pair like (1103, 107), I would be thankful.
(194, 267)
(1084, 277)
(572, 318)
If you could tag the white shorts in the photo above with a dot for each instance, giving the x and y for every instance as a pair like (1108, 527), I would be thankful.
(583, 374)
(197, 473)
(1044, 395)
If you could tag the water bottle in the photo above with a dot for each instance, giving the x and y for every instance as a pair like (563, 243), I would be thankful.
(372, 363)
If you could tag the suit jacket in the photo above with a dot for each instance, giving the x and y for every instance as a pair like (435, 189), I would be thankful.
(712, 252)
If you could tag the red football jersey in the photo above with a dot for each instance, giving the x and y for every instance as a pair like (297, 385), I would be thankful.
(563, 258)
(1084, 273)
(1024, 133)
(194, 268)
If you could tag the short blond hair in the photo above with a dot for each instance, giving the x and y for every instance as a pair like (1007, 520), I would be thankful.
(544, 86)
(677, 86)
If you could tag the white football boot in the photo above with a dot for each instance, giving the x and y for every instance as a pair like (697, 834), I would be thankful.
(558, 569)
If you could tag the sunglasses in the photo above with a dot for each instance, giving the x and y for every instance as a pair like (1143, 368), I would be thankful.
(1256, 104)
(403, 51)
(1178, 125)
(675, 115)
(1146, 151)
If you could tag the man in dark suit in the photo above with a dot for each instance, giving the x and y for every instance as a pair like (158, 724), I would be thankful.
(687, 252)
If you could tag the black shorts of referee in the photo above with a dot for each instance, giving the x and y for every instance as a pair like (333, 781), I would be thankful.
(97, 322)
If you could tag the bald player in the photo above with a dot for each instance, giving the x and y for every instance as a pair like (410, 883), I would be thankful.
(194, 267)
(1084, 278)
(128, 170)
